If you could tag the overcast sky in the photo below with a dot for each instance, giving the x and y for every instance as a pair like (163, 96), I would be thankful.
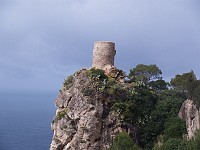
(43, 41)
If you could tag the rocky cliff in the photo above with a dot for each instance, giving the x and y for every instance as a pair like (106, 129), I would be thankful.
(83, 118)
(190, 113)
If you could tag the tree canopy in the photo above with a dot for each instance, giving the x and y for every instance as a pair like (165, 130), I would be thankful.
(145, 73)
(188, 84)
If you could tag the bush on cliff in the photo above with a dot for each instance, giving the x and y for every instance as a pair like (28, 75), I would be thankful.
(123, 141)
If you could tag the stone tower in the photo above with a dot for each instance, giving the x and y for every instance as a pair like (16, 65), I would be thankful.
(103, 54)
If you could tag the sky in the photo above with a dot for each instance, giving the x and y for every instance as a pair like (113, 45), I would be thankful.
(44, 41)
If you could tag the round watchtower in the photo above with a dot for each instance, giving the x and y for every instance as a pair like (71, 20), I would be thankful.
(103, 54)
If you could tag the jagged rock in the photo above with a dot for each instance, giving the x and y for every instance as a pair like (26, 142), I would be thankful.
(190, 113)
(113, 72)
(83, 121)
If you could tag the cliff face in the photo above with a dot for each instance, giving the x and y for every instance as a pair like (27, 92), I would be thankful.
(83, 117)
(190, 113)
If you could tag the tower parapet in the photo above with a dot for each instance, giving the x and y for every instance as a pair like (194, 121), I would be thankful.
(103, 54)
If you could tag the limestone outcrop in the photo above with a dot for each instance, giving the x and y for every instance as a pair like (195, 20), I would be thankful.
(190, 113)
(84, 120)
(113, 72)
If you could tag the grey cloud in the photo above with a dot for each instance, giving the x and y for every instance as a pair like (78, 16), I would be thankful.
(43, 41)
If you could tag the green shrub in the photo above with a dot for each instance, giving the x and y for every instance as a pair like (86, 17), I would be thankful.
(62, 114)
(174, 128)
(123, 141)
(173, 144)
(100, 84)
(96, 74)
(68, 81)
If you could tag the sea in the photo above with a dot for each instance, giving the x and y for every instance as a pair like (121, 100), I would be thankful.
(25, 120)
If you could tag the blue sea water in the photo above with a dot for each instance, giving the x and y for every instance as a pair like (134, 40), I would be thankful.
(25, 121)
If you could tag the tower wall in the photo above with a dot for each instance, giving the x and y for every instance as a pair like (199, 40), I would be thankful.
(103, 54)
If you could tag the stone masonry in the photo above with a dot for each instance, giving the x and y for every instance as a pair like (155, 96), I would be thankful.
(103, 54)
